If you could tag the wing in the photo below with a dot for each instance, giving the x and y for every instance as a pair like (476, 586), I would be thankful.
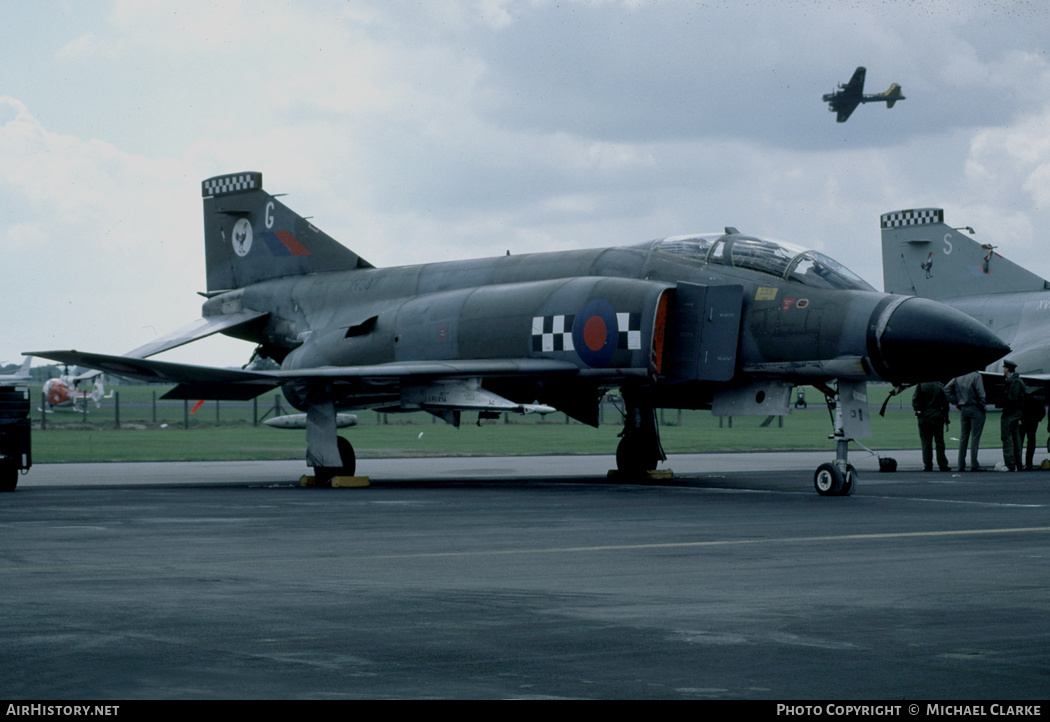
(207, 382)
(1037, 385)
(845, 110)
(855, 87)
(241, 384)
(201, 328)
(847, 99)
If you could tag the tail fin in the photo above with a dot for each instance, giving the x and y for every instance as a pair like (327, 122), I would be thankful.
(250, 236)
(893, 95)
(922, 256)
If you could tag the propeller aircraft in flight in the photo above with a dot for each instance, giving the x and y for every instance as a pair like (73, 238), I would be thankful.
(849, 95)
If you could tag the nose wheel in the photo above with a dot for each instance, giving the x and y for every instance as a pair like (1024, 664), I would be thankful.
(830, 480)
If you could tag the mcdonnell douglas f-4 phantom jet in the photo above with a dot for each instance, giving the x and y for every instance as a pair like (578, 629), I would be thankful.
(725, 321)
(849, 95)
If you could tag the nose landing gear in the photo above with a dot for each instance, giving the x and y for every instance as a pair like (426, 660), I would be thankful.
(831, 480)
(850, 402)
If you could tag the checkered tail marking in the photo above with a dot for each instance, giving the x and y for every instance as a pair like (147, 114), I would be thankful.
(913, 217)
(226, 184)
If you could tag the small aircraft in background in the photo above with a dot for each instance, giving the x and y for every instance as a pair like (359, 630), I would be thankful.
(849, 95)
(22, 374)
(64, 392)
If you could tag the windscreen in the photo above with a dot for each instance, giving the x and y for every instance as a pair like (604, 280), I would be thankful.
(816, 269)
(774, 258)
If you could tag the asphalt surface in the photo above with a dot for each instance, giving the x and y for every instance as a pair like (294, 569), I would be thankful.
(524, 578)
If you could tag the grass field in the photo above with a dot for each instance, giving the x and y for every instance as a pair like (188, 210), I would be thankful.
(154, 430)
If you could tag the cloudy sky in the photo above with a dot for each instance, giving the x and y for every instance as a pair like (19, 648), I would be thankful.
(424, 131)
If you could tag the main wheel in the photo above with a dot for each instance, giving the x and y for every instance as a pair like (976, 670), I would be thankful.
(323, 474)
(828, 480)
(634, 455)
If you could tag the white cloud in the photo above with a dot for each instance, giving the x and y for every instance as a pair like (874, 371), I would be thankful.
(1009, 158)
(192, 26)
(86, 228)
(88, 46)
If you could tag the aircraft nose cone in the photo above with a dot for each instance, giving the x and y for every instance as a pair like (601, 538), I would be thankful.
(925, 341)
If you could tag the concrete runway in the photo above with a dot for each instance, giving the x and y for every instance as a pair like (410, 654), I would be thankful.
(524, 578)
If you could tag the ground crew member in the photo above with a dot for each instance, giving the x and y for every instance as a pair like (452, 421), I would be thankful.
(1010, 423)
(1032, 412)
(931, 409)
(967, 393)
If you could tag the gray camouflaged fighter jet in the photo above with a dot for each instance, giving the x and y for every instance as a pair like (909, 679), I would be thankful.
(923, 256)
(724, 321)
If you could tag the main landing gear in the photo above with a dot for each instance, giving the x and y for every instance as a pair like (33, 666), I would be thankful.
(639, 450)
(329, 454)
(323, 475)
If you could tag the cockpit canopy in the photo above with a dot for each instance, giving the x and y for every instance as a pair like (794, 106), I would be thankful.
(755, 254)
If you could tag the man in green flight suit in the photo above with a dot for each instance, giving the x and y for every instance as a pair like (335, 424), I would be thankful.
(931, 409)
(1010, 423)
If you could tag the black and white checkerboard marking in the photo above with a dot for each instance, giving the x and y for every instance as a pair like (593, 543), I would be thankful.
(554, 333)
(912, 217)
(222, 185)
(630, 325)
